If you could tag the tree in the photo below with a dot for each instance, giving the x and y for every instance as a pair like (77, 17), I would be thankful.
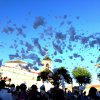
(62, 71)
(60, 75)
(82, 75)
(54, 77)
(44, 74)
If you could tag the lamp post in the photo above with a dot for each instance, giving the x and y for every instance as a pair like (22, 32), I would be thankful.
(98, 65)
(71, 82)
(98, 75)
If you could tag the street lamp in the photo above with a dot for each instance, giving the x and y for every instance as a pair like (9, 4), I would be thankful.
(98, 66)
(98, 75)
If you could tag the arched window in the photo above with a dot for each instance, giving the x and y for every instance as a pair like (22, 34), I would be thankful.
(47, 65)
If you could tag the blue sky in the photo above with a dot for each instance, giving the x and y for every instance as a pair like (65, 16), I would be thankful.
(70, 29)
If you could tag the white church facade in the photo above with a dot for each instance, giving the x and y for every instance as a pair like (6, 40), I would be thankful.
(13, 70)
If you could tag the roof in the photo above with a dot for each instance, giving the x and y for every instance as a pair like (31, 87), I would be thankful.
(47, 58)
(16, 61)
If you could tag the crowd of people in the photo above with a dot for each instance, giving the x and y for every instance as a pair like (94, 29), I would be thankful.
(21, 92)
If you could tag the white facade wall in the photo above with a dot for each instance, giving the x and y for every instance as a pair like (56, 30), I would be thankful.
(19, 76)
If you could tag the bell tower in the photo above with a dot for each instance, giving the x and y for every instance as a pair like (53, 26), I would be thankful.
(47, 62)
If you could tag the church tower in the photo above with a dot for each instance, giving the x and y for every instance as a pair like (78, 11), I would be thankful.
(47, 62)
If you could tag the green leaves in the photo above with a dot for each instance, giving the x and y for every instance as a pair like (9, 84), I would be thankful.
(62, 71)
(55, 77)
(82, 75)
(44, 74)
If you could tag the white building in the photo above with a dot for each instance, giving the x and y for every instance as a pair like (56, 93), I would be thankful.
(18, 74)
(16, 71)
(16, 63)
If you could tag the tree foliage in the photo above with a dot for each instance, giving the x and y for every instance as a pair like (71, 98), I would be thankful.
(44, 74)
(62, 71)
(55, 76)
(82, 75)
